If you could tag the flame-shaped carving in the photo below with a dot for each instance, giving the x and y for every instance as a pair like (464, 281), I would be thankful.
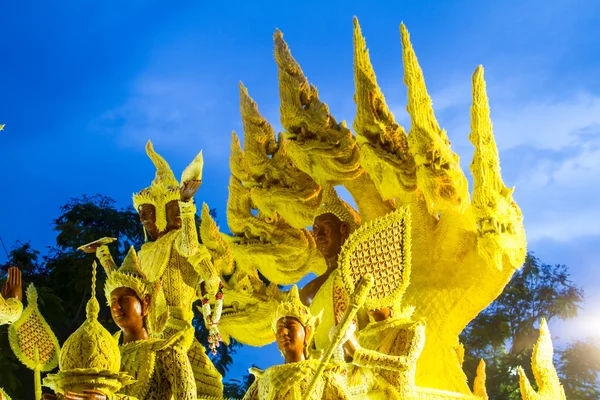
(549, 387)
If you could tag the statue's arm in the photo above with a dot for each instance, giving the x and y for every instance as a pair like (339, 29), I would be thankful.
(375, 359)
(187, 242)
(252, 393)
(417, 343)
(10, 310)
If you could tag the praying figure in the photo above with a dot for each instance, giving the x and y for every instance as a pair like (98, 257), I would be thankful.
(294, 327)
(11, 305)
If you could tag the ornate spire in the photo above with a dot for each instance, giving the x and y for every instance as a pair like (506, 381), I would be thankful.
(90, 357)
(93, 308)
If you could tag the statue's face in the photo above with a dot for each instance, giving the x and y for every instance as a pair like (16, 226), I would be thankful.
(173, 217)
(291, 337)
(127, 310)
(381, 314)
(148, 217)
(330, 234)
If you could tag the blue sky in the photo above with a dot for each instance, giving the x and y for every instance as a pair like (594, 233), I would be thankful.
(83, 86)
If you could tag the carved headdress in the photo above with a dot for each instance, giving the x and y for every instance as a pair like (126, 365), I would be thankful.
(165, 187)
(293, 307)
(380, 247)
(90, 357)
(332, 204)
(130, 275)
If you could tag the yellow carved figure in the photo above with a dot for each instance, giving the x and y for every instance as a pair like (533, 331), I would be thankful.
(294, 325)
(180, 263)
(391, 343)
(129, 294)
(330, 296)
(174, 257)
(463, 251)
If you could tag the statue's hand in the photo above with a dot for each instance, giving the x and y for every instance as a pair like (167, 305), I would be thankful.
(188, 189)
(87, 395)
(96, 244)
(91, 248)
(351, 344)
(13, 287)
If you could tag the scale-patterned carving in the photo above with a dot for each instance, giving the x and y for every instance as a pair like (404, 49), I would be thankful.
(380, 247)
(31, 339)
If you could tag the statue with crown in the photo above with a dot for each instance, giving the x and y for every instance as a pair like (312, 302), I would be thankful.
(398, 276)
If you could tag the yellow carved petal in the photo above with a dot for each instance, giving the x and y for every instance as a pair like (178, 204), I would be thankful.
(32, 339)
(193, 172)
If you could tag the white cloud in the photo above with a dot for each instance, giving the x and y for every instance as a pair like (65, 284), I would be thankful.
(174, 112)
(549, 125)
(549, 150)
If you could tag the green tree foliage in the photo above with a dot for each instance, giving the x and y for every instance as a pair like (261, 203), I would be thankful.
(63, 279)
(505, 332)
(237, 388)
(579, 366)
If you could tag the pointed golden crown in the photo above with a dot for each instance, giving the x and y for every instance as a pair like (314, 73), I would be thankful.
(293, 307)
(164, 188)
(130, 275)
(380, 247)
(90, 357)
(332, 204)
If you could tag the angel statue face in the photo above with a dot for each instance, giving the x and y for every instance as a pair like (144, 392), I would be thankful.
(330, 234)
(291, 338)
(127, 310)
(148, 217)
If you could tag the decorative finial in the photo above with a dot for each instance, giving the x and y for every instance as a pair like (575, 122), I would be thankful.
(93, 308)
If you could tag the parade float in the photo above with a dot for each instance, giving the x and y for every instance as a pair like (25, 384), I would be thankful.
(397, 277)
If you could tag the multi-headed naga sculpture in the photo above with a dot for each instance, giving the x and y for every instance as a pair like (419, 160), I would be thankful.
(464, 250)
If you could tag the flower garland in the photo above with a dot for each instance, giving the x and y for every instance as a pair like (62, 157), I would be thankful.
(211, 320)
